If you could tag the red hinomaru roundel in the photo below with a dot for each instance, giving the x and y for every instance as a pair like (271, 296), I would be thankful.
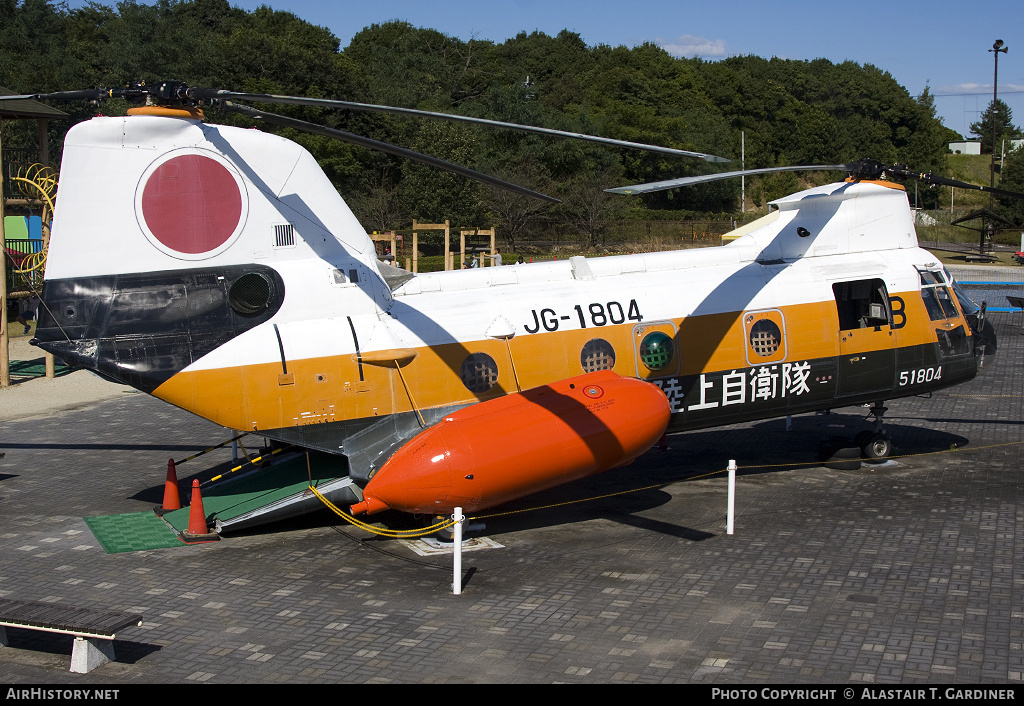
(191, 204)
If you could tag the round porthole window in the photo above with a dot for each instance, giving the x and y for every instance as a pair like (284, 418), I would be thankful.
(479, 373)
(656, 350)
(765, 338)
(598, 354)
(250, 293)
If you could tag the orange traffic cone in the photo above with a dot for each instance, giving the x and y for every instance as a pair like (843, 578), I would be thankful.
(197, 530)
(172, 501)
(196, 513)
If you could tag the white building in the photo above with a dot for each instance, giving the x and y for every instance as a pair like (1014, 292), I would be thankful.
(965, 147)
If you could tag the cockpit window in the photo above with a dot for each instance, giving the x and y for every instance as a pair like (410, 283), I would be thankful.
(967, 304)
(937, 298)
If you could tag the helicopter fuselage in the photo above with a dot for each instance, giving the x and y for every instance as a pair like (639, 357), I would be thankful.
(217, 269)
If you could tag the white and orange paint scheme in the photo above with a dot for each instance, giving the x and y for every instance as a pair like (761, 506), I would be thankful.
(218, 269)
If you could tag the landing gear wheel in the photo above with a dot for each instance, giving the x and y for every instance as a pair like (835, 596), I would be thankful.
(877, 447)
(446, 535)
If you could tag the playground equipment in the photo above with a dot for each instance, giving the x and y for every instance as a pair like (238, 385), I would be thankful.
(26, 242)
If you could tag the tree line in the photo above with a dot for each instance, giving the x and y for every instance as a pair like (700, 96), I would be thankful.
(788, 112)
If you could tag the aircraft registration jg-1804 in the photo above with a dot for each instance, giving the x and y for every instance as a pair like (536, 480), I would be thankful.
(218, 269)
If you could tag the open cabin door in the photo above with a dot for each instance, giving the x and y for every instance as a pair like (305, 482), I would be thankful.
(867, 340)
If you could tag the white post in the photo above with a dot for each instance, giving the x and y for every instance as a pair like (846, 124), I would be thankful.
(732, 497)
(457, 552)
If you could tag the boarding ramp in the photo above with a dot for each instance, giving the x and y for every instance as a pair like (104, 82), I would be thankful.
(273, 493)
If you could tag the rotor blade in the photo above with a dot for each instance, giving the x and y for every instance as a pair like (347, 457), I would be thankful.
(936, 180)
(89, 94)
(385, 147)
(212, 93)
(704, 178)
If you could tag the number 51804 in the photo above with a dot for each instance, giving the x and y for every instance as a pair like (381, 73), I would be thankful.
(916, 377)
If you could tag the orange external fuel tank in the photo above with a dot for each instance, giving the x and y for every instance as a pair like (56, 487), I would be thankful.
(502, 449)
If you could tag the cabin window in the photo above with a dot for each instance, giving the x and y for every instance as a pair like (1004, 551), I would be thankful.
(342, 277)
(656, 350)
(862, 304)
(765, 333)
(598, 354)
(479, 373)
(765, 338)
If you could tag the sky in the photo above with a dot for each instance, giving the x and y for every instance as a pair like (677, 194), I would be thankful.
(942, 44)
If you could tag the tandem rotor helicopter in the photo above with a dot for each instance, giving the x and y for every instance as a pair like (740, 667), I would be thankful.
(244, 290)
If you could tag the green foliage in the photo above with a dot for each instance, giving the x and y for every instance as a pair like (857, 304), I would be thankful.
(998, 116)
(432, 195)
(1012, 179)
(790, 112)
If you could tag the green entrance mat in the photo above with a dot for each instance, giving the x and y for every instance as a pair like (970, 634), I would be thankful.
(225, 500)
(134, 532)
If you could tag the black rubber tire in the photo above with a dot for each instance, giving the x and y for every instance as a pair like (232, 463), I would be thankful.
(878, 447)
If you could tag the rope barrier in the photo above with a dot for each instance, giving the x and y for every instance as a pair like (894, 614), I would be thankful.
(394, 534)
(1015, 396)
(449, 523)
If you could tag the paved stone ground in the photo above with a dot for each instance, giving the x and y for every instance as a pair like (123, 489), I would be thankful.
(903, 573)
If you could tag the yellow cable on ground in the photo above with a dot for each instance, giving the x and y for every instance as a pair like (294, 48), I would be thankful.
(958, 395)
(395, 534)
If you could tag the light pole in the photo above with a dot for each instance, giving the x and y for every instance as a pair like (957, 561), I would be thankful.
(997, 47)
